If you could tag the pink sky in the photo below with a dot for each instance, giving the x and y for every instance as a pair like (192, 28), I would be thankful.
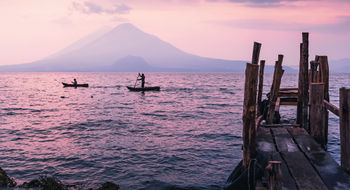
(34, 29)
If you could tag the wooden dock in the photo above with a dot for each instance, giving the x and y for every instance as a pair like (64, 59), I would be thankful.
(292, 155)
(304, 163)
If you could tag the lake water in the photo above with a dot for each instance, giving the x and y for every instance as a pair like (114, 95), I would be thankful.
(188, 135)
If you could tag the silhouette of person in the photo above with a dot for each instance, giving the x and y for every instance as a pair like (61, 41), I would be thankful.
(75, 82)
(142, 78)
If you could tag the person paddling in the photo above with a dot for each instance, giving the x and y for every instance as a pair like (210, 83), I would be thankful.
(142, 79)
(75, 82)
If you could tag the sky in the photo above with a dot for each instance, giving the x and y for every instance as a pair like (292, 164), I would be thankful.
(226, 29)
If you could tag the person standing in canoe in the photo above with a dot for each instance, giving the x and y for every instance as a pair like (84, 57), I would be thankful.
(75, 83)
(142, 79)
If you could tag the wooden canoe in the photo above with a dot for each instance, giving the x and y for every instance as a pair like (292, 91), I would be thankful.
(72, 85)
(151, 88)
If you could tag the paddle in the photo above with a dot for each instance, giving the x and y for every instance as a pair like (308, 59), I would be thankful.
(136, 80)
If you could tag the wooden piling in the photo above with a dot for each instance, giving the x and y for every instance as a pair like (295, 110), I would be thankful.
(261, 84)
(324, 78)
(344, 108)
(303, 94)
(274, 92)
(274, 175)
(318, 129)
(249, 113)
(313, 65)
(256, 53)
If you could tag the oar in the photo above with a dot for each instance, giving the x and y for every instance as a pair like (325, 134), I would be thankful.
(136, 81)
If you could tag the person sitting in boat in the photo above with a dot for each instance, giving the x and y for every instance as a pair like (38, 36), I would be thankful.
(142, 79)
(75, 82)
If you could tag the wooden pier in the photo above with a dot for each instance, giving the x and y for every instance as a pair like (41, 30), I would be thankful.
(292, 155)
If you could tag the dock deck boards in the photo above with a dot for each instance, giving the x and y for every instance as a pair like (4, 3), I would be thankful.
(305, 165)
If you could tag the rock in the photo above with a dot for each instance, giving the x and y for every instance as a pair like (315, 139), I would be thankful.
(32, 184)
(45, 182)
(109, 186)
(5, 180)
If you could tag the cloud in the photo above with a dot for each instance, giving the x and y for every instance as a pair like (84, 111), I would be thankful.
(262, 3)
(341, 26)
(89, 7)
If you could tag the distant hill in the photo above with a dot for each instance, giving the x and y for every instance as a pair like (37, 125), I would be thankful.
(341, 66)
(126, 48)
(336, 66)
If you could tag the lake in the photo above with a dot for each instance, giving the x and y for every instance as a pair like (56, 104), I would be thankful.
(187, 135)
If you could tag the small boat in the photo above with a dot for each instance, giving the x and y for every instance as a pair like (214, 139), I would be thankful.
(151, 88)
(73, 85)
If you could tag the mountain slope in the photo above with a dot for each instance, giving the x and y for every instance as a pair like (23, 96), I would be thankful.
(117, 49)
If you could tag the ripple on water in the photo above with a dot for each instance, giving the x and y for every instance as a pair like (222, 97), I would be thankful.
(186, 136)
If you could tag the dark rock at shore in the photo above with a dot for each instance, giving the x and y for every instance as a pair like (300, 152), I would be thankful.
(109, 186)
(45, 182)
(5, 180)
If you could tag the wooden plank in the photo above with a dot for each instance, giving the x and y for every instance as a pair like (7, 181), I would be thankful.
(283, 140)
(284, 89)
(261, 84)
(303, 84)
(266, 146)
(344, 105)
(289, 103)
(317, 124)
(286, 125)
(331, 107)
(249, 113)
(288, 94)
(300, 168)
(331, 173)
(289, 99)
(278, 73)
(264, 141)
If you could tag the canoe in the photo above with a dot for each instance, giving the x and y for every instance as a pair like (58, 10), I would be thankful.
(72, 85)
(151, 88)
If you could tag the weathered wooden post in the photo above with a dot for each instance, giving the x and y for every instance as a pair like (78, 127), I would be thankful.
(324, 78)
(256, 53)
(344, 108)
(318, 129)
(261, 84)
(303, 85)
(276, 83)
(274, 175)
(249, 107)
(314, 65)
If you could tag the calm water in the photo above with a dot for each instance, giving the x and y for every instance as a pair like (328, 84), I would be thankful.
(188, 135)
